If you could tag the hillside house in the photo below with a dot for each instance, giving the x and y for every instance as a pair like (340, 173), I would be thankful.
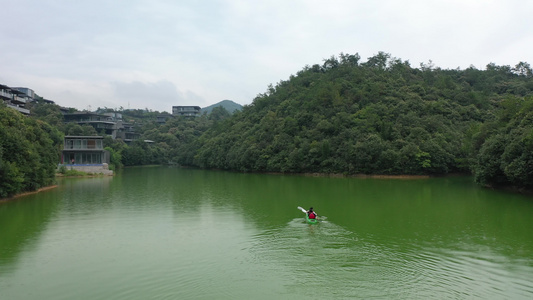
(108, 123)
(163, 118)
(15, 99)
(85, 153)
(187, 111)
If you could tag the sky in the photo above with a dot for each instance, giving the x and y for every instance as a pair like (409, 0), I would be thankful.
(155, 54)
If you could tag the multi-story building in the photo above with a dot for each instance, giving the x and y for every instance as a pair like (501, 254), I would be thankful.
(85, 153)
(101, 123)
(164, 117)
(108, 123)
(28, 93)
(15, 99)
(187, 111)
(128, 133)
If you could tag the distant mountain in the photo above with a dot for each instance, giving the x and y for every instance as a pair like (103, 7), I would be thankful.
(229, 105)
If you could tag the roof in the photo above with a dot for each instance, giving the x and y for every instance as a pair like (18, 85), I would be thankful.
(84, 137)
(84, 113)
(193, 106)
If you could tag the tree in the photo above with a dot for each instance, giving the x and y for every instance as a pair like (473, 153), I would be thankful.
(29, 152)
(378, 117)
(523, 69)
(219, 113)
(49, 113)
(378, 61)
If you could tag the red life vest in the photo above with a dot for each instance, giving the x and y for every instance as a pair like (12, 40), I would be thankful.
(312, 215)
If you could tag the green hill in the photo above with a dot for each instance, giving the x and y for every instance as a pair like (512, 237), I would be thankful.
(229, 105)
(381, 116)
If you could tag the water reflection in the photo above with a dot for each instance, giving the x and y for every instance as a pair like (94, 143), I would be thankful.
(185, 233)
(22, 221)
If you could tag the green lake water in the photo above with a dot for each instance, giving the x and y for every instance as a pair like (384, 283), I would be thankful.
(171, 233)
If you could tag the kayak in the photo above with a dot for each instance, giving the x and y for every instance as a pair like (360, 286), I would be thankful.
(310, 221)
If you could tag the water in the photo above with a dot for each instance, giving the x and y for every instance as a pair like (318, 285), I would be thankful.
(169, 233)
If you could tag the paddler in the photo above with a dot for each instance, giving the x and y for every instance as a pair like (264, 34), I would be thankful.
(311, 214)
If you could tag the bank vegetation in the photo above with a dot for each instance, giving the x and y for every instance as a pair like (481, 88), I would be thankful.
(345, 116)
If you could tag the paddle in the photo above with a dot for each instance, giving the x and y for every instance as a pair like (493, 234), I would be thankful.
(305, 211)
(310, 221)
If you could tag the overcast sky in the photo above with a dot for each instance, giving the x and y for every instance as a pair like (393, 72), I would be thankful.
(158, 53)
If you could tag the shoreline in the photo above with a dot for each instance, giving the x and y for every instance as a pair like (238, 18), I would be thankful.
(332, 175)
(375, 176)
(338, 175)
(28, 193)
(335, 175)
(57, 175)
(83, 176)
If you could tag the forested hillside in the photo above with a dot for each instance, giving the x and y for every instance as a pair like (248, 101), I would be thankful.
(504, 146)
(29, 152)
(382, 116)
(344, 116)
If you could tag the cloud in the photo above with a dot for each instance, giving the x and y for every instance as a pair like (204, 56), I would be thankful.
(159, 53)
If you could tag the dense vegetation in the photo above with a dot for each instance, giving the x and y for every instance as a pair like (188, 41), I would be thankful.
(504, 146)
(344, 116)
(28, 152)
(380, 117)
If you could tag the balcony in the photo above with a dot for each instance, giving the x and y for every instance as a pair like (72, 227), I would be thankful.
(18, 100)
(83, 143)
(20, 109)
(6, 95)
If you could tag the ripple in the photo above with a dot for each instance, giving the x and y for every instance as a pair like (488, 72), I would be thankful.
(334, 260)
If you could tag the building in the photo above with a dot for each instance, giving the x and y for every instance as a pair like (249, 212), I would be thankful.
(18, 98)
(29, 93)
(85, 153)
(164, 117)
(128, 133)
(15, 98)
(187, 111)
(108, 123)
(101, 123)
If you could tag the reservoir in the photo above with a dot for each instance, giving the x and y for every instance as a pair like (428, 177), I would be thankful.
(173, 233)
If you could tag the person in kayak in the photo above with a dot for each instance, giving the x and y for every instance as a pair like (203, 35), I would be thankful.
(311, 214)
